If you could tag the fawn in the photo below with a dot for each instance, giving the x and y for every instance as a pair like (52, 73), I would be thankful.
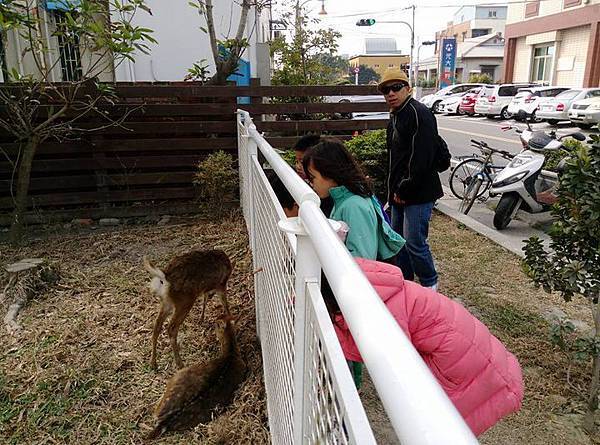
(200, 272)
(194, 393)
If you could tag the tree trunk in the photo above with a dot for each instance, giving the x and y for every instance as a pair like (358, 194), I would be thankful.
(589, 423)
(16, 229)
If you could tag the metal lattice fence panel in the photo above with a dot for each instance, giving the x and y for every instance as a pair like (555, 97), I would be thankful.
(275, 296)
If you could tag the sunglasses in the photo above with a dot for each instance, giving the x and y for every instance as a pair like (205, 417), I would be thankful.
(395, 88)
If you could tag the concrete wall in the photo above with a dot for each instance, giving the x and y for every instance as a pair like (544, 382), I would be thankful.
(482, 12)
(469, 65)
(176, 26)
(571, 47)
(516, 10)
(24, 62)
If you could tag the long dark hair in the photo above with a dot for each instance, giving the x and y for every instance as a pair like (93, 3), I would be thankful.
(333, 161)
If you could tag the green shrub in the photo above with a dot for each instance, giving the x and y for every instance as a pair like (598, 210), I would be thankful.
(370, 151)
(554, 157)
(480, 78)
(217, 179)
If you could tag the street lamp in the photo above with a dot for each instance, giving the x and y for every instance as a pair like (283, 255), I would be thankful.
(322, 11)
(371, 22)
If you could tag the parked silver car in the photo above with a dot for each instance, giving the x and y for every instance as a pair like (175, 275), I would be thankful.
(557, 108)
(585, 113)
(433, 101)
(494, 99)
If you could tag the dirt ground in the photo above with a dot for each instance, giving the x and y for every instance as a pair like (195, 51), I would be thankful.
(78, 373)
(489, 281)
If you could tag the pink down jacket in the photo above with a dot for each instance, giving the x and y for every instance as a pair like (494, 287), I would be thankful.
(480, 376)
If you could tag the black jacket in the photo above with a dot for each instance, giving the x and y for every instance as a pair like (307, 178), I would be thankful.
(412, 142)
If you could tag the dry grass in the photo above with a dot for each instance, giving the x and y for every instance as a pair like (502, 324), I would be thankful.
(489, 280)
(79, 372)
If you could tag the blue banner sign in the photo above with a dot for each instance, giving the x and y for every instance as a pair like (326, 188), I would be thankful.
(448, 62)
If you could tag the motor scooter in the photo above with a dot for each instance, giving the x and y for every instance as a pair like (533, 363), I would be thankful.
(520, 183)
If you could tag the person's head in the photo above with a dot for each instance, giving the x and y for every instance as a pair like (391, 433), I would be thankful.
(304, 143)
(329, 164)
(395, 87)
(290, 208)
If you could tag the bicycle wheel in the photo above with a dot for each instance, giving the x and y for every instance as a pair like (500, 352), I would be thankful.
(470, 195)
(463, 173)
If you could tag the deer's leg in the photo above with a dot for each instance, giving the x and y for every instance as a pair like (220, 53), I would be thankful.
(158, 323)
(204, 300)
(223, 296)
(173, 329)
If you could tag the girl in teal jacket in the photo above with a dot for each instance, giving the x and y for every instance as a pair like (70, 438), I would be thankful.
(332, 171)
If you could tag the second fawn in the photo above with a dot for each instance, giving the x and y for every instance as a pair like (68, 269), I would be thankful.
(199, 272)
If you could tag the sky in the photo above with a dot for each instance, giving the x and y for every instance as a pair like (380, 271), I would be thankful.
(430, 16)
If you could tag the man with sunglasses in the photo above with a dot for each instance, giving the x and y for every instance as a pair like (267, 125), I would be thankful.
(413, 181)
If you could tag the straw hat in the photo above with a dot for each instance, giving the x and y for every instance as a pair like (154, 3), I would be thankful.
(393, 75)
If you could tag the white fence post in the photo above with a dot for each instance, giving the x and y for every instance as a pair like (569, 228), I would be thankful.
(308, 269)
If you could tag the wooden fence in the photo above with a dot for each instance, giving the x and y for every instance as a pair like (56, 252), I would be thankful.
(147, 165)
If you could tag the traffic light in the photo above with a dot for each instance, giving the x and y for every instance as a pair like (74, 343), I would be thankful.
(365, 22)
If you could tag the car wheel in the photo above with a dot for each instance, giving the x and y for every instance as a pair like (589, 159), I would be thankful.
(436, 107)
(552, 121)
(504, 114)
(535, 118)
(461, 112)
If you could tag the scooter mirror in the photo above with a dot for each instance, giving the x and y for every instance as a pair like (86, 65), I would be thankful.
(578, 136)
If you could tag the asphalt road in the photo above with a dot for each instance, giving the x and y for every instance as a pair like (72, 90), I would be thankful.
(458, 132)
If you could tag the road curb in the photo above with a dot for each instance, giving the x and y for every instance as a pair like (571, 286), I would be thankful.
(499, 238)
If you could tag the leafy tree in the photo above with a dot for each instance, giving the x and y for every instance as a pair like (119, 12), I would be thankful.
(303, 59)
(226, 52)
(366, 75)
(571, 266)
(32, 109)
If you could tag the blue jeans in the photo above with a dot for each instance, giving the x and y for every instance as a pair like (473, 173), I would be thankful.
(412, 222)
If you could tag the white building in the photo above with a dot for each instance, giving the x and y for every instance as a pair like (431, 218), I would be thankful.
(181, 42)
(176, 27)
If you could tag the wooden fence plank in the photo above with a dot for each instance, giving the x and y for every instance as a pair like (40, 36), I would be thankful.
(62, 199)
(303, 126)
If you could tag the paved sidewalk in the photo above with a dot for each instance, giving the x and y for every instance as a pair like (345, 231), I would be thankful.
(480, 220)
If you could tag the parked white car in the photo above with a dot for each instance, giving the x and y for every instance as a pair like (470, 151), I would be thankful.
(557, 108)
(530, 99)
(433, 101)
(451, 104)
(495, 99)
(585, 113)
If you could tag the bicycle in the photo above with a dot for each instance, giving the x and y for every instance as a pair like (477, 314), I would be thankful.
(472, 177)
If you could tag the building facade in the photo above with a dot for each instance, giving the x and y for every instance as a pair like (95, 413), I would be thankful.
(176, 26)
(553, 41)
(473, 21)
(381, 62)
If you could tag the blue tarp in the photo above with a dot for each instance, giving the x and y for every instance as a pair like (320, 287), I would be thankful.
(61, 5)
(242, 78)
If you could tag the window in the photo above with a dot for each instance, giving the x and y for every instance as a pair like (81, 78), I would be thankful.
(489, 70)
(391, 65)
(542, 63)
(376, 66)
(593, 93)
(492, 14)
(571, 3)
(464, 36)
(479, 32)
(68, 47)
(570, 94)
(3, 65)
(532, 9)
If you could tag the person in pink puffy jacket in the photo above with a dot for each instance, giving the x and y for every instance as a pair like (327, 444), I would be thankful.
(480, 376)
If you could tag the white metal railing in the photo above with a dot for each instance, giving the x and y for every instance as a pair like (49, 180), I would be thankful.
(311, 397)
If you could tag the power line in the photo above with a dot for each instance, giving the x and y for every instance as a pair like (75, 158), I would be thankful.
(484, 4)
